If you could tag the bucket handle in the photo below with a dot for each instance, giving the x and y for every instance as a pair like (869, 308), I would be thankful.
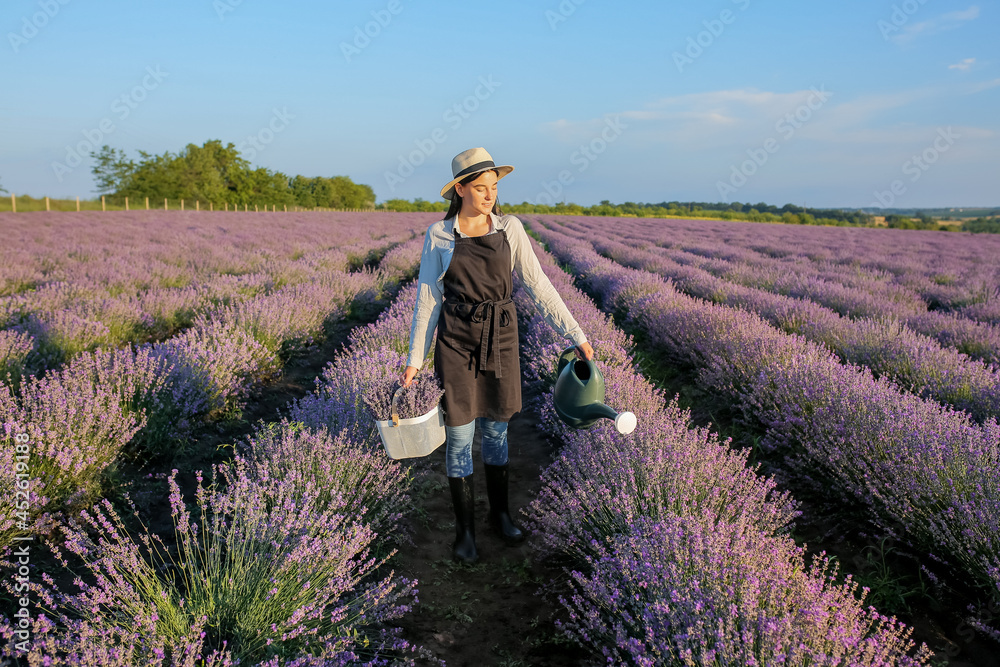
(395, 408)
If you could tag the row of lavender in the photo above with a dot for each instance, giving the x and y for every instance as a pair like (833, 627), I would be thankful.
(680, 552)
(957, 272)
(79, 420)
(922, 473)
(74, 282)
(284, 562)
(916, 362)
(856, 289)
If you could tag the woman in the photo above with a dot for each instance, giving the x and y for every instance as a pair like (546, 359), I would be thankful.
(465, 287)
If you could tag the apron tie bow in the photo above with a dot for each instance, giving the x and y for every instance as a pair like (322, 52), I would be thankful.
(492, 317)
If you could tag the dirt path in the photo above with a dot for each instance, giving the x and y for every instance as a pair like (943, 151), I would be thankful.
(488, 613)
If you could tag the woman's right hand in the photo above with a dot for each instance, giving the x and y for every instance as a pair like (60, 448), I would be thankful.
(408, 375)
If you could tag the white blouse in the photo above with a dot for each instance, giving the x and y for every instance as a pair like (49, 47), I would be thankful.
(439, 246)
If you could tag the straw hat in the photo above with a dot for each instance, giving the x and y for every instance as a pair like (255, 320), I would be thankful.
(472, 161)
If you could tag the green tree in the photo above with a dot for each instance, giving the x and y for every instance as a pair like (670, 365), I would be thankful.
(219, 174)
(111, 170)
(208, 172)
(302, 191)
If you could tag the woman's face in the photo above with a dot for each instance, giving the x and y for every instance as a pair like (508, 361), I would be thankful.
(479, 196)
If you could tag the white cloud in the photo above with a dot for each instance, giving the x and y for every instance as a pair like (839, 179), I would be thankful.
(843, 145)
(723, 119)
(714, 117)
(986, 85)
(964, 65)
(948, 21)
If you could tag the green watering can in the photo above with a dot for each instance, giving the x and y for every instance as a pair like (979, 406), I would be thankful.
(578, 396)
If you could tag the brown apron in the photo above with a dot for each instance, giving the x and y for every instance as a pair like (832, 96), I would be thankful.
(476, 354)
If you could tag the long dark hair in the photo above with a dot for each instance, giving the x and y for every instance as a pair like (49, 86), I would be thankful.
(456, 201)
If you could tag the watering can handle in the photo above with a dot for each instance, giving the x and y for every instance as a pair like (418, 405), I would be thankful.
(395, 407)
(568, 356)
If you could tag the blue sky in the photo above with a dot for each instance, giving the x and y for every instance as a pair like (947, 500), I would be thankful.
(815, 103)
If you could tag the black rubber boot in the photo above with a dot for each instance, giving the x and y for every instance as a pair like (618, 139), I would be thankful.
(496, 490)
(464, 549)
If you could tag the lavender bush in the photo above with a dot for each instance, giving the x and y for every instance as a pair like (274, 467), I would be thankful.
(858, 273)
(265, 570)
(75, 294)
(731, 584)
(681, 591)
(922, 472)
(15, 347)
(365, 485)
(70, 447)
(987, 311)
(884, 345)
(224, 360)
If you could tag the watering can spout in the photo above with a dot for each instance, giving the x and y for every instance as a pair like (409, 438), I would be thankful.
(578, 396)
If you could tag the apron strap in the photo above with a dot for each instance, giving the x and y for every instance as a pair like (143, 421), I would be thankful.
(489, 313)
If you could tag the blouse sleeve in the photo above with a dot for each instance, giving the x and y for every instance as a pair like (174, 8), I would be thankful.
(539, 287)
(428, 306)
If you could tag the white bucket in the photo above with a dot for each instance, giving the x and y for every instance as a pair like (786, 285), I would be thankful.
(410, 438)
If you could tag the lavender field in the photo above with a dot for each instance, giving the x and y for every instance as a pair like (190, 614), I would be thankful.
(859, 362)
(126, 338)
(865, 373)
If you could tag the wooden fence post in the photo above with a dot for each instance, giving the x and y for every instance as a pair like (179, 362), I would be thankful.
(147, 203)
(256, 209)
(126, 203)
(164, 203)
(47, 204)
(13, 203)
(211, 206)
(197, 204)
(286, 208)
(182, 204)
(227, 206)
(77, 204)
(103, 207)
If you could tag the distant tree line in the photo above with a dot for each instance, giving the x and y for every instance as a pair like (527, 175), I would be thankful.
(788, 214)
(982, 225)
(921, 221)
(218, 174)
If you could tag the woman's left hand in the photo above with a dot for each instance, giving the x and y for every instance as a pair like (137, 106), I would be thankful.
(585, 352)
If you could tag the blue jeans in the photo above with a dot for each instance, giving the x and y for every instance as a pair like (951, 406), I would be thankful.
(458, 455)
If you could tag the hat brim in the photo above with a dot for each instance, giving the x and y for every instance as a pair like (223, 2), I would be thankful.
(448, 190)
